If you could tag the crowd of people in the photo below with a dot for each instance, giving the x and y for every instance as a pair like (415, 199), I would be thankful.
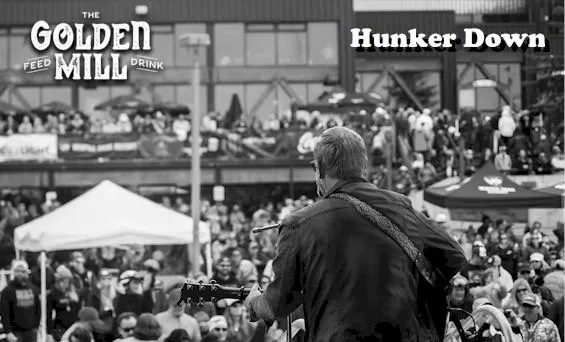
(115, 293)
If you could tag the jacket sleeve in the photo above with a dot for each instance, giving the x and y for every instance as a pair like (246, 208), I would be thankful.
(6, 304)
(283, 294)
(442, 250)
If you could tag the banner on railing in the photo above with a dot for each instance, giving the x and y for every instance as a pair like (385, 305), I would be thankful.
(108, 146)
(160, 146)
(210, 145)
(28, 147)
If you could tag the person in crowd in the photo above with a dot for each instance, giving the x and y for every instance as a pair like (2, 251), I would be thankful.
(426, 174)
(88, 318)
(340, 165)
(506, 127)
(557, 315)
(176, 318)
(460, 297)
(26, 126)
(224, 274)
(535, 245)
(63, 304)
(218, 327)
(239, 327)
(38, 126)
(147, 328)
(503, 161)
(523, 164)
(555, 280)
(519, 289)
(476, 265)
(178, 335)
(20, 308)
(508, 252)
(532, 325)
(81, 334)
(403, 183)
(500, 274)
(125, 325)
(35, 274)
(557, 158)
(542, 164)
(83, 279)
(131, 296)
(244, 268)
(104, 294)
(202, 318)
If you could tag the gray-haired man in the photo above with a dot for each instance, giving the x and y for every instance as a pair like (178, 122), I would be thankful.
(354, 281)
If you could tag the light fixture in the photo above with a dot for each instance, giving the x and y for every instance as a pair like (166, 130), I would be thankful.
(141, 9)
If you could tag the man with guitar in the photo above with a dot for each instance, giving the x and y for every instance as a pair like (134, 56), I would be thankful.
(363, 263)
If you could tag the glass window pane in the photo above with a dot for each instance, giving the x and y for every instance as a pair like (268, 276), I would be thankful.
(116, 91)
(31, 94)
(253, 93)
(430, 85)
(322, 44)
(260, 27)
(20, 51)
(292, 27)
(144, 94)
(284, 101)
(5, 96)
(367, 79)
(228, 44)
(489, 100)
(260, 48)
(291, 48)
(223, 94)
(510, 76)
(89, 98)
(315, 90)
(62, 94)
(4, 52)
(165, 93)
(184, 56)
(162, 45)
(184, 96)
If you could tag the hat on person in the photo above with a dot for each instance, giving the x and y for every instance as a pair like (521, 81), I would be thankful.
(77, 256)
(524, 266)
(441, 218)
(536, 257)
(459, 281)
(152, 265)
(494, 260)
(128, 276)
(63, 272)
(403, 168)
(20, 265)
(90, 316)
(530, 299)
(217, 322)
(231, 301)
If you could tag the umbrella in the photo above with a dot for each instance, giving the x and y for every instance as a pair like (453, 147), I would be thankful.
(234, 112)
(123, 102)
(55, 107)
(361, 100)
(169, 107)
(9, 109)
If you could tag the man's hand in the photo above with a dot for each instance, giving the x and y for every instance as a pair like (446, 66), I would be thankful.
(11, 337)
(254, 292)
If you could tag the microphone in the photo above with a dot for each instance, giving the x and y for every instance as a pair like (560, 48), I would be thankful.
(261, 229)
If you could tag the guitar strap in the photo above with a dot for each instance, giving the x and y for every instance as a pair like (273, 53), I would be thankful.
(397, 235)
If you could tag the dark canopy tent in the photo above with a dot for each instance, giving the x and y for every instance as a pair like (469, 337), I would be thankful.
(557, 189)
(490, 189)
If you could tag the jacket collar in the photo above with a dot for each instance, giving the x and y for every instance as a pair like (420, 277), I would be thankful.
(342, 183)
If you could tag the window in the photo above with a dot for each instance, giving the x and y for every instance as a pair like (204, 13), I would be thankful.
(260, 48)
(228, 44)
(89, 98)
(223, 95)
(31, 94)
(162, 48)
(322, 44)
(183, 55)
(4, 52)
(119, 90)
(165, 93)
(509, 74)
(184, 96)
(253, 95)
(315, 90)
(20, 51)
(291, 48)
(489, 98)
(50, 94)
(284, 101)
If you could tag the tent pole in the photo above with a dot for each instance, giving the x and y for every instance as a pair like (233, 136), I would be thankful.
(43, 297)
(195, 167)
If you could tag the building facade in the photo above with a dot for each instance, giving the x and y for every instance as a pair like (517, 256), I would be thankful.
(269, 52)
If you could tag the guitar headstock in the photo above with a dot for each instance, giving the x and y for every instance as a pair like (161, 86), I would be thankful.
(200, 292)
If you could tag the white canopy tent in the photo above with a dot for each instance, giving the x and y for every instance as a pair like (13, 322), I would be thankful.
(106, 215)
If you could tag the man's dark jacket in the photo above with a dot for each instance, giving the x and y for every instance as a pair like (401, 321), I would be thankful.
(354, 282)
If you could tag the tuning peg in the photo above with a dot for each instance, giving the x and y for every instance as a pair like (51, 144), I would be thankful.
(213, 282)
